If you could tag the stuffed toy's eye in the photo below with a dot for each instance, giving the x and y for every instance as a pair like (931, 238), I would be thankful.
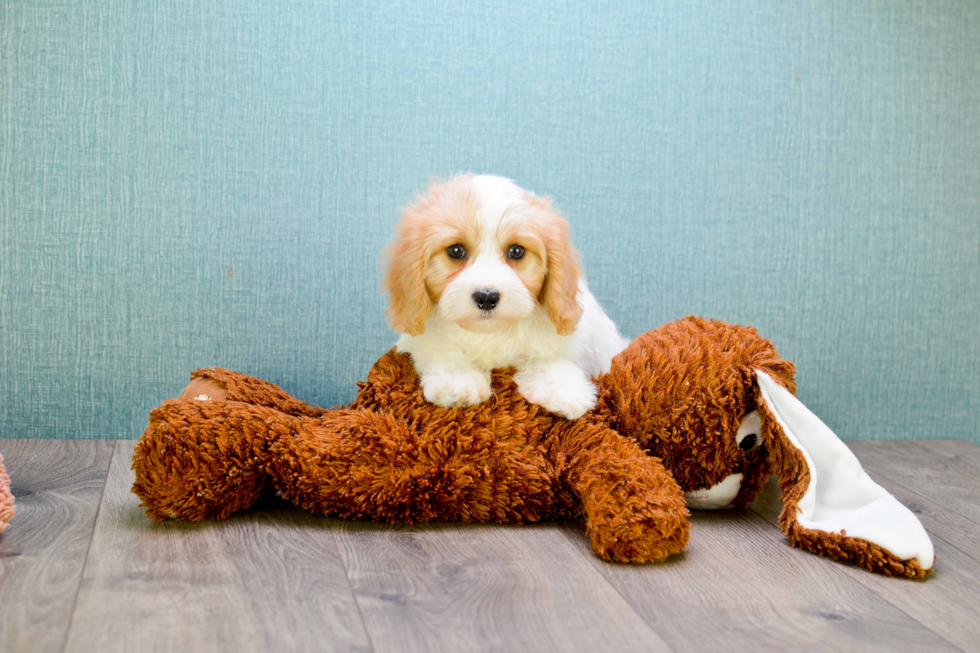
(749, 435)
(515, 253)
(456, 251)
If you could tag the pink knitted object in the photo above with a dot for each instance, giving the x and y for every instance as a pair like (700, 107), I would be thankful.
(6, 498)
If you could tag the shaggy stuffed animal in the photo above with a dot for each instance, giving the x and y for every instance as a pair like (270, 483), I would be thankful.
(6, 498)
(706, 408)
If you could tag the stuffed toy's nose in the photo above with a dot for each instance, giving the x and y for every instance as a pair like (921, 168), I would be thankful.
(719, 495)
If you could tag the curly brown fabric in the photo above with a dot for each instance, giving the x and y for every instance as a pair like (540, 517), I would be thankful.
(681, 391)
(7, 507)
(226, 385)
(392, 456)
(678, 394)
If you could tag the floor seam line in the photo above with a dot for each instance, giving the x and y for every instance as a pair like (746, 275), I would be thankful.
(568, 535)
(353, 594)
(88, 549)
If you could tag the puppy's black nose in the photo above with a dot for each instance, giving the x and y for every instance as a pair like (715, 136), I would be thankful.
(486, 300)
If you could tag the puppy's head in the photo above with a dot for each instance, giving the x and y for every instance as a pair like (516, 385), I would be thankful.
(484, 254)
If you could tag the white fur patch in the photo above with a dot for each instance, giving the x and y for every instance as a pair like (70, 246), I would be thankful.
(716, 497)
(561, 387)
(446, 386)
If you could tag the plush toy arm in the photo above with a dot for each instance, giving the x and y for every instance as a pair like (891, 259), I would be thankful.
(221, 384)
(634, 509)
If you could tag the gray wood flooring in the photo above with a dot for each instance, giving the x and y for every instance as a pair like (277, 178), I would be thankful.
(82, 569)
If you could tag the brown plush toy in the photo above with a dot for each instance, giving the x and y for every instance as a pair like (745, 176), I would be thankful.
(6, 498)
(711, 401)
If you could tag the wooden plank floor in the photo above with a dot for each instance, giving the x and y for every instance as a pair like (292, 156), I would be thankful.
(82, 569)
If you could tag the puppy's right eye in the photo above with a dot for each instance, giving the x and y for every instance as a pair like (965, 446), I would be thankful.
(456, 251)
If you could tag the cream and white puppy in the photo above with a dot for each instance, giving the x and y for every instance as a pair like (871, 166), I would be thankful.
(482, 275)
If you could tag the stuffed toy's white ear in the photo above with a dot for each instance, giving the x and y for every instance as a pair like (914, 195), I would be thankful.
(832, 506)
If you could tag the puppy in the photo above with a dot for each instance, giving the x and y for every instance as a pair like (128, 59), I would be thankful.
(482, 275)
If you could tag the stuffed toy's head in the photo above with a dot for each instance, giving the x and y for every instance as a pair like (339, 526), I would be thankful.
(716, 403)
(6, 498)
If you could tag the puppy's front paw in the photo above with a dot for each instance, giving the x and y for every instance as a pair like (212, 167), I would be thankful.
(561, 387)
(467, 388)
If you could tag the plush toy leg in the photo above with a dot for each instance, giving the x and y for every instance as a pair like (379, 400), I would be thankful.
(634, 510)
(206, 459)
(6, 498)
(218, 384)
(209, 459)
(359, 463)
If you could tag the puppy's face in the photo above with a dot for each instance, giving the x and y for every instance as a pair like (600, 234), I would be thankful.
(484, 254)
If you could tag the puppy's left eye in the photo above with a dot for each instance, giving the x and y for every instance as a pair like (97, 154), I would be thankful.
(516, 252)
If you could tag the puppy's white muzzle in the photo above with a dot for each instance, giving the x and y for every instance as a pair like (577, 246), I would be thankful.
(487, 276)
(717, 496)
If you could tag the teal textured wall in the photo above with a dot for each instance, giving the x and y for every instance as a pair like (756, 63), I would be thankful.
(188, 184)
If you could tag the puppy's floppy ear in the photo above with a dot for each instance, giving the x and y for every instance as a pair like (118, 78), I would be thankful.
(404, 279)
(560, 290)
(830, 504)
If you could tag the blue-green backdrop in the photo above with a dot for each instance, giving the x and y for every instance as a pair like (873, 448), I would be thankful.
(187, 184)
